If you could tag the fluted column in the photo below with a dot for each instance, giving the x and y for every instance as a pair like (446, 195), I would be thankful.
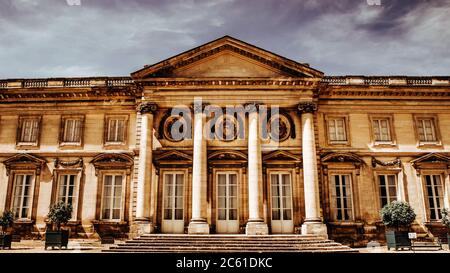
(144, 179)
(313, 221)
(198, 224)
(255, 224)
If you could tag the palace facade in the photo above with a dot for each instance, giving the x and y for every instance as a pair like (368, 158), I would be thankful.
(336, 151)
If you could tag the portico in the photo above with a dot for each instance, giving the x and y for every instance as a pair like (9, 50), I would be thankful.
(240, 183)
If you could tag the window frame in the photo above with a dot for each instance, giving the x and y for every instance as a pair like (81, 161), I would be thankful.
(78, 177)
(435, 123)
(279, 173)
(122, 196)
(30, 194)
(333, 212)
(28, 145)
(391, 128)
(442, 176)
(397, 190)
(345, 117)
(115, 144)
(66, 144)
(163, 204)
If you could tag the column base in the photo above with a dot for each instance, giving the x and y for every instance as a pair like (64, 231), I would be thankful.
(256, 228)
(314, 228)
(143, 227)
(197, 227)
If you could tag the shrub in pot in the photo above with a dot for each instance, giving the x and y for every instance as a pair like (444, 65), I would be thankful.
(6, 220)
(446, 221)
(59, 214)
(398, 217)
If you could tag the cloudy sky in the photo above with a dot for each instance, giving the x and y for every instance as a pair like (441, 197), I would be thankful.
(52, 38)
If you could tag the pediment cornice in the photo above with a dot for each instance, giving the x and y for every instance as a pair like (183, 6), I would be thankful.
(226, 43)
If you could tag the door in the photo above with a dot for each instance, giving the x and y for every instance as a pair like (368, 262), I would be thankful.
(227, 203)
(281, 194)
(173, 203)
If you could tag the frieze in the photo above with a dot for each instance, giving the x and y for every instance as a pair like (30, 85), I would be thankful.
(394, 163)
(74, 163)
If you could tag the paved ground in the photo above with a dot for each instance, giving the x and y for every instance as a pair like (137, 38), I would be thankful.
(94, 246)
(75, 246)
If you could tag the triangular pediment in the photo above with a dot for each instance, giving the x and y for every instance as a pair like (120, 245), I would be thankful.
(173, 156)
(433, 158)
(24, 159)
(226, 57)
(228, 155)
(282, 155)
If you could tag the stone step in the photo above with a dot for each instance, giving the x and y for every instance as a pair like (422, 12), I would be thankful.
(182, 243)
(137, 242)
(296, 246)
(227, 250)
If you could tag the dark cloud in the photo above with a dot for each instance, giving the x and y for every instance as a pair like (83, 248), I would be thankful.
(49, 38)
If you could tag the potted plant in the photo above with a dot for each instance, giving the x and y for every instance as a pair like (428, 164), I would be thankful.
(446, 221)
(398, 217)
(6, 220)
(59, 214)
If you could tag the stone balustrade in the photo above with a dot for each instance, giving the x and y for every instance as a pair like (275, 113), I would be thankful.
(66, 82)
(385, 80)
(125, 81)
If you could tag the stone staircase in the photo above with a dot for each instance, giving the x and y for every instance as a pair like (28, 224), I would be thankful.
(170, 243)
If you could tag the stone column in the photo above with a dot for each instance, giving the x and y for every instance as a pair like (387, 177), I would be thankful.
(255, 224)
(313, 222)
(144, 179)
(198, 224)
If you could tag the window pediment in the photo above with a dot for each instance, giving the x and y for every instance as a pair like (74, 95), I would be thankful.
(432, 160)
(174, 156)
(227, 155)
(113, 161)
(342, 158)
(24, 161)
(282, 156)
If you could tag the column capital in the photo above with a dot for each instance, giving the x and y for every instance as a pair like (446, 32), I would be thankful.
(252, 106)
(307, 107)
(147, 107)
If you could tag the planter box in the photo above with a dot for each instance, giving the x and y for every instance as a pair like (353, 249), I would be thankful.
(56, 239)
(398, 239)
(5, 241)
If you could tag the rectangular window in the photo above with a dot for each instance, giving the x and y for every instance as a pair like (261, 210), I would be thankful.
(67, 190)
(116, 130)
(434, 196)
(388, 188)
(28, 133)
(72, 130)
(337, 130)
(426, 130)
(381, 130)
(112, 197)
(22, 196)
(173, 196)
(341, 195)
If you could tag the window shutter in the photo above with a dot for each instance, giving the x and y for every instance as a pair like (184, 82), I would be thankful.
(120, 130)
(332, 129)
(384, 130)
(35, 131)
(421, 129)
(340, 129)
(376, 130)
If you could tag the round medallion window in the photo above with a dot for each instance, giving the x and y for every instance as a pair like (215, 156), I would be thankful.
(226, 128)
(175, 128)
(279, 128)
